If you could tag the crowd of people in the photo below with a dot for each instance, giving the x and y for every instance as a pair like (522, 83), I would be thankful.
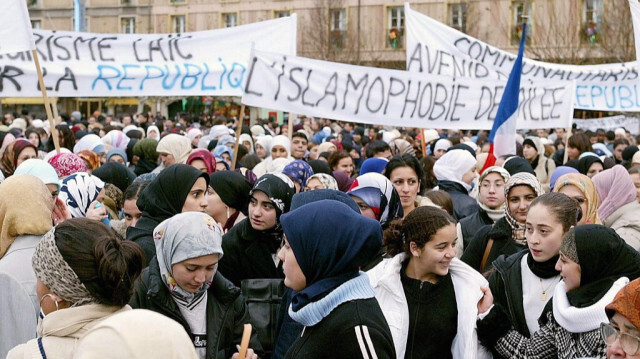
(148, 238)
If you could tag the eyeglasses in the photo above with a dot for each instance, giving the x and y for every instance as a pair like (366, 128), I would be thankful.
(629, 343)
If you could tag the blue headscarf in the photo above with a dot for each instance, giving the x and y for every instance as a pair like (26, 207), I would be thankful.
(118, 152)
(376, 165)
(299, 171)
(559, 172)
(220, 149)
(41, 169)
(329, 252)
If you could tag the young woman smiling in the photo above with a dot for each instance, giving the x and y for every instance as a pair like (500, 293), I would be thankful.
(423, 275)
(524, 282)
(507, 235)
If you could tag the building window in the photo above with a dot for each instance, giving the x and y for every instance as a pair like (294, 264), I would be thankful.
(592, 18)
(338, 27)
(178, 23)
(126, 2)
(395, 37)
(178, 1)
(36, 24)
(458, 17)
(33, 3)
(128, 25)
(521, 8)
(280, 14)
(230, 19)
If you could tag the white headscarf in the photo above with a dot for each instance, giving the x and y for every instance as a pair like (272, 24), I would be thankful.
(245, 137)
(176, 145)
(453, 165)
(283, 141)
(89, 142)
(441, 144)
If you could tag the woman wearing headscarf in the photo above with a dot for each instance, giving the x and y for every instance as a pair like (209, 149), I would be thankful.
(321, 260)
(582, 189)
(194, 135)
(263, 146)
(117, 155)
(299, 172)
(595, 263)
(173, 148)
(533, 151)
(117, 178)
(67, 164)
(136, 334)
(91, 142)
(91, 159)
(153, 133)
(81, 193)
(559, 172)
(24, 219)
(321, 181)
(590, 164)
(116, 139)
(247, 141)
(619, 208)
(343, 180)
(183, 283)
(280, 147)
(251, 246)
(424, 274)
(228, 198)
(180, 188)
(202, 160)
(507, 235)
(455, 172)
(524, 283)
(223, 152)
(490, 205)
(17, 152)
(43, 171)
(623, 330)
(84, 274)
(147, 156)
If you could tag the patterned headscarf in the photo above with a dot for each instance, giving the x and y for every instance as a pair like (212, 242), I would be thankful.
(78, 191)
(52, 270)
(378, 193)
(279, 188)
(116, 139)
(181, 237)
(588, 189)
(519, 179)
(90, 158)
(299, 171)
(206, 157)
(328, 182)
(67, 164)
(11, 154)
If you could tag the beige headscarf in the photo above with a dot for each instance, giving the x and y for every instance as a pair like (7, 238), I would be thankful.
(176, 145)
(25, 208)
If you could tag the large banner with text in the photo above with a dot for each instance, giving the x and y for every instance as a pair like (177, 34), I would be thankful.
(211, 63)
(395, 98)
(436, 49)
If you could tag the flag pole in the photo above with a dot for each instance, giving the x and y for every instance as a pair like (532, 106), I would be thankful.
(238, 132)
(566, 146)
(423, 143)
(47, 103)
(290, 126)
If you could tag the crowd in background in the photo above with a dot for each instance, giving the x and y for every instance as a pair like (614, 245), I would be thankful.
(147, 238)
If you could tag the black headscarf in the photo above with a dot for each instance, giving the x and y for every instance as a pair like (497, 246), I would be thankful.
(279, 188)
(164, 197)
(319, 166)
(585, 163)
(116, 174)
(604, 257)
(233, 189)
(518, 164)
(328, 252)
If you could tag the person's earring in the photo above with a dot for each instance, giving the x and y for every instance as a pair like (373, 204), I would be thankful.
(52, 298)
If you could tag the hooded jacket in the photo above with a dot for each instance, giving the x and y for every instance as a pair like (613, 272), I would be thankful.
(226, 310)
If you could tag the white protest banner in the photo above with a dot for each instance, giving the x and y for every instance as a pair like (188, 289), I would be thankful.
(15, 32)
(395, 98)
(434, 48)
(206, 63)
(610, 123)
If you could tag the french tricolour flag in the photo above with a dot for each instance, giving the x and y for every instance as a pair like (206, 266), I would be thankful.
(503, 133)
